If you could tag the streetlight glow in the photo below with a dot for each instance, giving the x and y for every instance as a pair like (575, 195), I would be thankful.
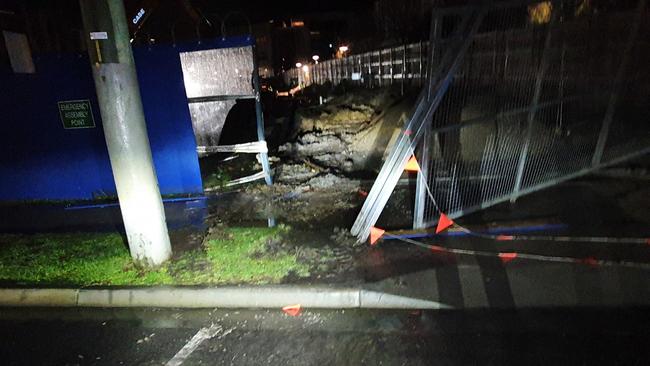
(305, 69)
(315, 57)
(344, 48)
(298, 64)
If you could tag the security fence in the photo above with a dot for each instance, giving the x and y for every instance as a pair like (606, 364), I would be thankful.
(512, 107)
(405, 65)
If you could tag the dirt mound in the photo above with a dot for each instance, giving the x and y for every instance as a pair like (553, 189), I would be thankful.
(348, 134)
(347, 114)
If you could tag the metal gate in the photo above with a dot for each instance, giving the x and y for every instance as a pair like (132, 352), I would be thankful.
(515, 104)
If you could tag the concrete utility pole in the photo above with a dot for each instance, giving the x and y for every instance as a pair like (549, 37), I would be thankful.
(125, 129)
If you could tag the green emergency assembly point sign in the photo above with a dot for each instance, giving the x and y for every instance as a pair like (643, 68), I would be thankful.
(76, 114)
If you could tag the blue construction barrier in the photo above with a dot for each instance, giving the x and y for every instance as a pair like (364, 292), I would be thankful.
(40, 160)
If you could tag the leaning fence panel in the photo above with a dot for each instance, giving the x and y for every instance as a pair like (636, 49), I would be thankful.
(528, 105)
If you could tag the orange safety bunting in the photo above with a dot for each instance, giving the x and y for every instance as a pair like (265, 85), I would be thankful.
(443, 223)
(376, 234)
(292, 310)
(507, 257)
(412, 165)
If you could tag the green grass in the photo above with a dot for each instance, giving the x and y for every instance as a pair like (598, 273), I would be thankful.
(239, 255)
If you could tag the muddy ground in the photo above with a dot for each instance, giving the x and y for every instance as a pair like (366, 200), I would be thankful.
(320, 220)
(322, 172)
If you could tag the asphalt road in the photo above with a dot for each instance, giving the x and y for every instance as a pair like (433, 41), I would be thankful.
(572, 336)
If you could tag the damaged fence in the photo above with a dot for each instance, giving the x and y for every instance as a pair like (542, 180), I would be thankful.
(215, 80)
(513, 106)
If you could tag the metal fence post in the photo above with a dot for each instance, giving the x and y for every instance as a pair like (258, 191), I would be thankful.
(381, 71)
(350, 68)
(360, 68)
(391, 65)
(403, 68)
(420, 61)
(534, 106)
(618, 81)
(328, 71)
(422, 178)
(371, 77)
(259, 114)
(419, 209)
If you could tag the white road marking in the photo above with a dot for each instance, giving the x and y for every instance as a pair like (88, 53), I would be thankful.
(195, 342)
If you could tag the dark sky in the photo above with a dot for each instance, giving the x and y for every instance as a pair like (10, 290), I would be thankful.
(260, 10)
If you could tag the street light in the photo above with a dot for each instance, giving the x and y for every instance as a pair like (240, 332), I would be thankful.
(305, 68)
(315, 58)
(344, 49)
(298, 64)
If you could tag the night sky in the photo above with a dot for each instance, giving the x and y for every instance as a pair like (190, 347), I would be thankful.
(260, 10)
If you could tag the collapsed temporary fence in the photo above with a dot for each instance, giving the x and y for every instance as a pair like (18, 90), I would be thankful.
(512, 106)
(215, 79)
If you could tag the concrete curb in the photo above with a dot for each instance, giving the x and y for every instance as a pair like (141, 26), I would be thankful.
(219, 297)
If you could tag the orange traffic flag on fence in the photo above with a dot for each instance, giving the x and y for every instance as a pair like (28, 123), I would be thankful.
(376, 234)
(412, 165)
(507, 257)
(443, 223)
(292, 310)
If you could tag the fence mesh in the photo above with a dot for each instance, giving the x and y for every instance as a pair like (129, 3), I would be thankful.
(528, 105)
(513, 104)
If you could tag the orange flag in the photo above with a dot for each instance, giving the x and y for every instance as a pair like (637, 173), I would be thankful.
(375, 234)
(412, 165)
(507, 257)
(292, 310)
(443, 223)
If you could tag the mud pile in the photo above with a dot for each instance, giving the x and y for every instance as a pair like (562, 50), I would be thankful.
(347, 134)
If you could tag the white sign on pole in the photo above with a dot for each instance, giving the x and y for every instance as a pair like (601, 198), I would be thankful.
(98, 35)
